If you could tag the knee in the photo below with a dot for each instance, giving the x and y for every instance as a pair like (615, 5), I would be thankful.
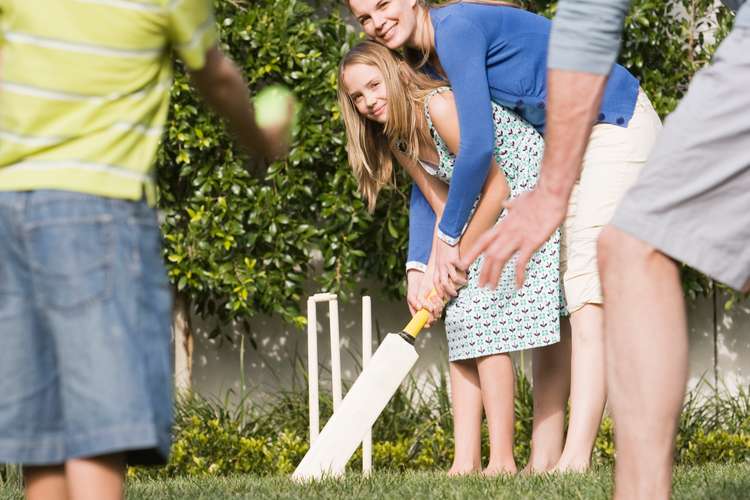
(606, 247)
(616, 248)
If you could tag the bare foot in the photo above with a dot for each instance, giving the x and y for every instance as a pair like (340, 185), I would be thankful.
(461, 470)
(493, 470)
(537, 468)
(571, 467)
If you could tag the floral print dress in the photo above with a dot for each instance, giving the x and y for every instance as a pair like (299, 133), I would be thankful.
(480, 322)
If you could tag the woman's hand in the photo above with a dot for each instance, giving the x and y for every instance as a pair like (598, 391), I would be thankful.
(413, 282)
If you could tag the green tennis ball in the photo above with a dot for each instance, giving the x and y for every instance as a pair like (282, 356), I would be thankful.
(272, 106)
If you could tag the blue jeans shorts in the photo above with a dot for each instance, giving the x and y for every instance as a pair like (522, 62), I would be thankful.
(85, 359)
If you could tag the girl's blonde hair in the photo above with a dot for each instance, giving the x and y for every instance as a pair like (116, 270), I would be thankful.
(370, 145)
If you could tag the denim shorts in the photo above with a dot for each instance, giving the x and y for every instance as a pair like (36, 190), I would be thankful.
(85, 360)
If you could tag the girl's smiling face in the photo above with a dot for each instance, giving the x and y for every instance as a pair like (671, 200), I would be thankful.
(390, 22)
(365, 87)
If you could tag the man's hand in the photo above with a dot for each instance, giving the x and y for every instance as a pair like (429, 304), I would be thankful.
(277, 137)
(531, 219)
(448, 276)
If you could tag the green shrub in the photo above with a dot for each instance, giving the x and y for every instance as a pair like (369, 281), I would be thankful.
(415, 432)
(604, 445)
(717, 446)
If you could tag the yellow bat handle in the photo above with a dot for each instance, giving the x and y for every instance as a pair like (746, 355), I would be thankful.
(418, 320)
(417, 323)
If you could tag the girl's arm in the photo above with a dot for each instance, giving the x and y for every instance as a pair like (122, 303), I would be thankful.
(428, 194)
(494, 191)
(490, 205)
(444, 115)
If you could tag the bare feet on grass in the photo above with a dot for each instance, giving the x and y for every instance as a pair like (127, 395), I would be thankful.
(571, 467)
(493, 470)
(538, 467)
(458, 470)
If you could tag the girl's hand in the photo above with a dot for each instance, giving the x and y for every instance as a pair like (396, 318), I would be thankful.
(448, 276)
(427, 299)
(418, 288)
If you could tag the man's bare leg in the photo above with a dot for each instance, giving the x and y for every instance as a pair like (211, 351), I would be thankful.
(588, 390)
(551, 373)
(45, 482)
(99, 478)
(646, 347)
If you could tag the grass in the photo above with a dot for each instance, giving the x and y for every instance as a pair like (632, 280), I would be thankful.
(716, 481)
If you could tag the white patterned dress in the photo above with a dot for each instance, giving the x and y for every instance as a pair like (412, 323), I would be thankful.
(480, 322)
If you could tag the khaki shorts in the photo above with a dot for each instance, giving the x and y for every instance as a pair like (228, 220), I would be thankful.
(613, 159)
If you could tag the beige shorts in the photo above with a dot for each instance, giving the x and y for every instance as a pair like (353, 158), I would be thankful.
(611, 164)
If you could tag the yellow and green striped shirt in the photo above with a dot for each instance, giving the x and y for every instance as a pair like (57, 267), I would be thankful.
(84, 89)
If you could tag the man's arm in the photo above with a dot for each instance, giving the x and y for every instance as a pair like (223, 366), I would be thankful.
(222, 86)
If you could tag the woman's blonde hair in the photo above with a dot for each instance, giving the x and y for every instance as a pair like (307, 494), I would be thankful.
(416, 57)
(370, 145)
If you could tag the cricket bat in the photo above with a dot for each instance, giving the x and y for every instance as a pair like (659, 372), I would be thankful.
(363, 404)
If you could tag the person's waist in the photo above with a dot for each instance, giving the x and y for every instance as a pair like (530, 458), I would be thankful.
(108, 181)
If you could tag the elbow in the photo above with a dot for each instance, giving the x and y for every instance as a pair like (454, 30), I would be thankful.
(219, 80)
(225, 86)
(497, 191)
(485, 152)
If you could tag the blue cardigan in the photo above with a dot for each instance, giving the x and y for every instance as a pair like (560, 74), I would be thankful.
(494, 53)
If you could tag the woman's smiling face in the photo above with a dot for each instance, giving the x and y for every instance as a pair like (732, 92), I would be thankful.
(390, 22)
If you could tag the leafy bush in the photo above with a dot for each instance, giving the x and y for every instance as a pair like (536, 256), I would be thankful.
(415, 432)
(716, 446)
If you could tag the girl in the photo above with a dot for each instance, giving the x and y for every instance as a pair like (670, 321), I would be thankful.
(493, 52)
(394, 114)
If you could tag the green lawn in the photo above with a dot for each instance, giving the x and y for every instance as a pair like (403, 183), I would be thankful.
(721, 482)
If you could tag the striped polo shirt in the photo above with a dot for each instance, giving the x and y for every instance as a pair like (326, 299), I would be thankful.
(84, 89)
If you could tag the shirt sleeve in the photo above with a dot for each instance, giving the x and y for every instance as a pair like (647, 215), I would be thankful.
(586, 35)
(462, 50)
(421, 227)
(192, 30)
(2, 31)
(733, 4)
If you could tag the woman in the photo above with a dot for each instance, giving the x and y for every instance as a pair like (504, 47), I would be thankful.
(394, 114)
(492, 52)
